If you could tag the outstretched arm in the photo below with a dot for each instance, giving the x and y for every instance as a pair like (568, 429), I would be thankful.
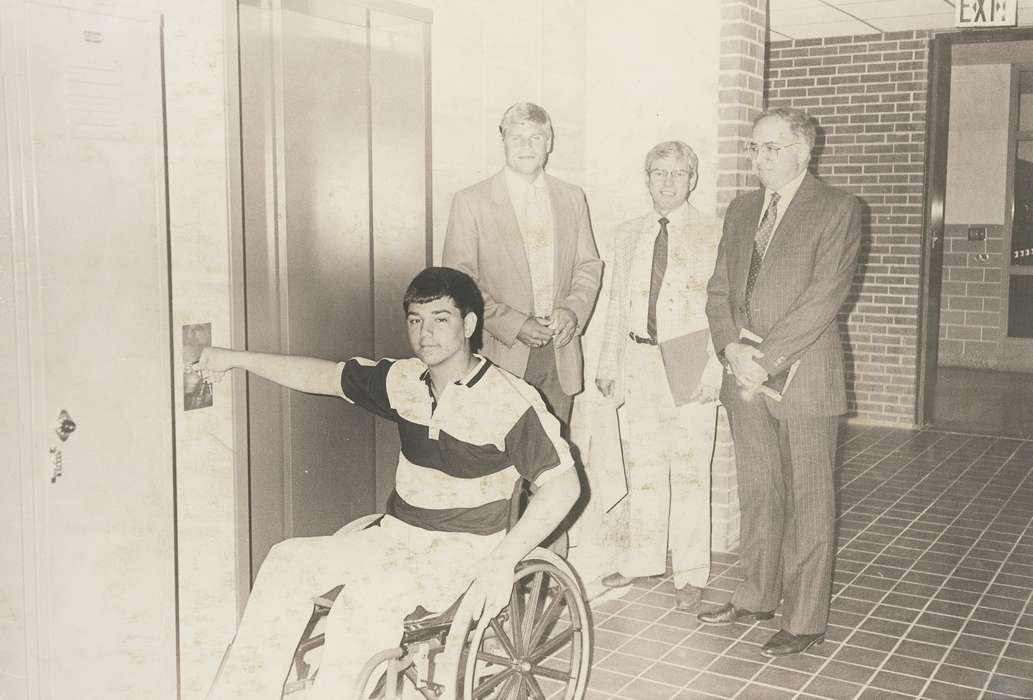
(309, 374)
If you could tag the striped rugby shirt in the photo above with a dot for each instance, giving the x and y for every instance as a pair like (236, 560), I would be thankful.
(463, 452)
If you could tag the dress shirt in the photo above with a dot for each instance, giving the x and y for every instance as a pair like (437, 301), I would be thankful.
(680, 306)
(786, 193)
(534, 216)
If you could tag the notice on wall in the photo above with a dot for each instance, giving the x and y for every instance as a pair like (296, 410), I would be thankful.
(985, 13)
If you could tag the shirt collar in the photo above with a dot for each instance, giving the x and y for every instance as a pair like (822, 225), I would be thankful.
(787, 191)
(517, 184)
(679, 216)
(471, 378)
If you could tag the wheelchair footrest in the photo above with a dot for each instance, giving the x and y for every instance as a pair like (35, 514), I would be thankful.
(296, 686)
(324, 602)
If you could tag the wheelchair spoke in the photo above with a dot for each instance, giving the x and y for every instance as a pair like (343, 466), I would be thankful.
(551, 646)
(517, 611)
(536, 691)
(487, 686)
(532, 606)
(503, 638)
(493, 658)
(551, 673)
(512, 689)
(549, 617)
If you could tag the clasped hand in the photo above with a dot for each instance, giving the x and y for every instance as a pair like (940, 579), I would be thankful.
(561, 327)
(742, 361)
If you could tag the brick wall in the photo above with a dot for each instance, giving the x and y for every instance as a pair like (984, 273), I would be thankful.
(868, 96)
(970, 307)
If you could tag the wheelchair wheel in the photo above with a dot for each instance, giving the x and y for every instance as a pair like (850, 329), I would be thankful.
(540, 646)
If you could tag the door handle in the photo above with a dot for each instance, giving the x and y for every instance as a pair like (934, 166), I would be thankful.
(65, 425)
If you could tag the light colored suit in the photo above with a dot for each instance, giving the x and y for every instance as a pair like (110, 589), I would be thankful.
(484, 240)
(785, 451)
(667, 448)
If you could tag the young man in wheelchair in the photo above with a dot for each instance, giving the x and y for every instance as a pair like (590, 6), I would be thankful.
(469, 431)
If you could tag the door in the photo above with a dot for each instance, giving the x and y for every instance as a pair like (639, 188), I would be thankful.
(976, 231)
(91, 308)
(1016, 339)
(336, 217)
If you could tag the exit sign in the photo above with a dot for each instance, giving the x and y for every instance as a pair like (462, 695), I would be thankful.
(985, 13)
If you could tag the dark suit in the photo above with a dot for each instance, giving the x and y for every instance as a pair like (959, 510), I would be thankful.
(785, 451)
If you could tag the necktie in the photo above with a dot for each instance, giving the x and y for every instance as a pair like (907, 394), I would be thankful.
(657, 277)
(760, 243)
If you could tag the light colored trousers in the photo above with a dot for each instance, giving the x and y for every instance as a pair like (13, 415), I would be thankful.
(667, 454)
(387, 570)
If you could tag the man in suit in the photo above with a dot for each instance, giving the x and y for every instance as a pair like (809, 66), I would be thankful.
(784, 267)
(525, 237)
(662, 260)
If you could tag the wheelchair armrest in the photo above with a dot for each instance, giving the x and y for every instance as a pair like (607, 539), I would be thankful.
(421, 624)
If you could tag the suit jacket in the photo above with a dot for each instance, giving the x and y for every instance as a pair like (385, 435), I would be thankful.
(803, 282)
(692, 243)
(484, 240)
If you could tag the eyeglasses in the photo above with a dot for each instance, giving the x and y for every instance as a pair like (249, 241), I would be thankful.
(664, 174)
(768, 149)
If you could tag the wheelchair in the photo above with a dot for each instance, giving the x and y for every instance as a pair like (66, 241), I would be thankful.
(539, 646)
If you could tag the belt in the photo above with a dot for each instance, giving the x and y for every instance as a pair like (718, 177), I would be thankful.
(640, 340)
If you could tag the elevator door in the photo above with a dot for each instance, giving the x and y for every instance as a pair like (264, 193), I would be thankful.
(334, 138)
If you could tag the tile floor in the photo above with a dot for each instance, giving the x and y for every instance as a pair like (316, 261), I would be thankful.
(932, 598)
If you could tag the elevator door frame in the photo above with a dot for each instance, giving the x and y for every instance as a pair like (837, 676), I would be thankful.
(238, 297)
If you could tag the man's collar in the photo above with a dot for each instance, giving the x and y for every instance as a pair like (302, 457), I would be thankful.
(517, 181)
(682, 213)
(787, 191)
(475, 374)
(470, 379)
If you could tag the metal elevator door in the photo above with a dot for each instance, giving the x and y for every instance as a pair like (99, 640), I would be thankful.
(334, 122)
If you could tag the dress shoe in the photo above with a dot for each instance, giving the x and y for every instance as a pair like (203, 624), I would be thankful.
(617, 580)
(786, 643)
(688, 598)
(728, 613)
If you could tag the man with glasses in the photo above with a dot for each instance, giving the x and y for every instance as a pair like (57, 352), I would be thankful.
(662, 260)
(784, 267)
(526, 239)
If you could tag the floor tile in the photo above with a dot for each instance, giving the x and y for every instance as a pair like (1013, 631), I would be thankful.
(895, 682)
(782, 678)
(931, 590)
(719, 685)
(642, 689)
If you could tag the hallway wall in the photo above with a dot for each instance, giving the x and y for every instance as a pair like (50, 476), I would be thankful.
(868, 96)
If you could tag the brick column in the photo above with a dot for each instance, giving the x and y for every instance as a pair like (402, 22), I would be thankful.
(740, 99)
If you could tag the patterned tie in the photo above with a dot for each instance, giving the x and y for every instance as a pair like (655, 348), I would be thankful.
(760, 243)
(657, 278)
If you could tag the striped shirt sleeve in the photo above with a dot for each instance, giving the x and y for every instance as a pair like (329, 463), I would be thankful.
(364, 383)
(535, 446)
